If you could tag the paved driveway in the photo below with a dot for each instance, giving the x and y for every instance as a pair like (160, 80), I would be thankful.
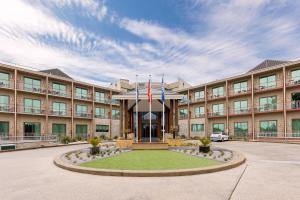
(271, 172)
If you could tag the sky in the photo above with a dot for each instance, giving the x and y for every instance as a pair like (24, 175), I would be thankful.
(101, 41)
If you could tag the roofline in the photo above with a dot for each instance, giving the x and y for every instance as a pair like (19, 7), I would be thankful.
(242, 75)
(16, 67)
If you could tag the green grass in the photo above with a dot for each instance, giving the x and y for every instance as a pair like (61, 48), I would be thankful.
(150, 160)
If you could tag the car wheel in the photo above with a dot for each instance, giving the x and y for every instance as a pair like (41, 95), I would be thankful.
(222, 139)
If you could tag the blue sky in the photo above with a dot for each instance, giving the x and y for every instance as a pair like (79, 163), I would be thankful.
(105, 40)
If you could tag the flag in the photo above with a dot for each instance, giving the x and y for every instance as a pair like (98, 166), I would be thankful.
(149, 92)
(162, 90)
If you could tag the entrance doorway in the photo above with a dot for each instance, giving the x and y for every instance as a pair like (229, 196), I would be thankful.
(32, 130)
(146, 130)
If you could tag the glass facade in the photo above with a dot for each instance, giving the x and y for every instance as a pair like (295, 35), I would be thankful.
(197, 127)
(81, 93)
(32, 129)
(218, 91)
(59, 89)
(100, 113)
(81, 110)
(268, 127)
(218, 109)
(241, 129)
(268, 103)
(199, 111)
(59, 108)
(240, 87)
(31, 84)
(4, 103)
(32, 106)
(267, 82)
(219, 127)
(199, 95)
(240, 106)
(81, 130)
(59, 130)
(102, 128)
(296, 128)
(296, 75)
(100, 97)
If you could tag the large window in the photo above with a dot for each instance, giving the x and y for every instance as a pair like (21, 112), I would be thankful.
(219, 127)
(218, 109)
(267, 82)
(115, 114)
(32, 84)
(240, 87)
(197, 127)
(102, 128)
(81, 93)
(268, 128)
(81, 130)
(296, 75)
(59, 89)
(32, 106)
(218, 91)
(59, 130)
(4, 79)
(184, 99)
(4, 129)
(296, 127)
(100, 97)
(199, 111)
(268, 103)
(241, 129)
(100, 113)
(32, 130)
(240, 106)
(199, 95)
(4, 103)
(59, 108)
(81, 110)
(183, 113)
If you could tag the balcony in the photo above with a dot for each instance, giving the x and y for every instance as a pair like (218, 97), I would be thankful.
(83, 115)
(103, 101)
(6, 108)
(198, 100)
(114, 102)
(220, 113)
(268, 108)
(59, 113)
(100, 116)
(115, 117)
(293, 82)
(60, 93)
(31, 110)
(269, 86)
(196, 116)
(9, 84)
(31, 88)
(293, 105)
(83, 97)
(240, 111)
(216, 97)
(241, 92)
(182, 117)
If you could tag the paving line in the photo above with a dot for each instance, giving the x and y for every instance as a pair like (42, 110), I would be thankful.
(238, 181)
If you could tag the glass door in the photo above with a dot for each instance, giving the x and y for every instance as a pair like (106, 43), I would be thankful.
(32, 130)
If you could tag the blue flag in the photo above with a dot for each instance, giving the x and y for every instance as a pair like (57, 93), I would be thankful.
(162, 90)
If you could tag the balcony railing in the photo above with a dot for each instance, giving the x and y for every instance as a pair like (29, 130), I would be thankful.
(6, 83)
(269, 86)
(216, 96)
(197, 100)
(242, 91)
(116, 117)
(6, 108)
(105, 101)
(31, 110)
(20, 139)
(293, 135)
(183, 102)
(100, 116)
(55, 112)
(181, 117)
(83, 97)
(198, 116)
(83, 115)
(217, 114)
(295, 81)
(31, 88)
(60, 93)
(268, 108)
(294, 105)
(240, 111)
(115, 102)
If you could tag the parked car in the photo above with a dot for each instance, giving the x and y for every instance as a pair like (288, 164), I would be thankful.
(219, 136)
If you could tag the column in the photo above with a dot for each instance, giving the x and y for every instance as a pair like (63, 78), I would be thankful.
(121, 116)
(284, 103)
(189, 115)
(171, 115)
(252, 109)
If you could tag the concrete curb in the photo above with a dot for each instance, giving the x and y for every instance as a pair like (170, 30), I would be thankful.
(236, 161)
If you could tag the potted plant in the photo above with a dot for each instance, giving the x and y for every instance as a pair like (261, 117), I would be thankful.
(95, 149)
(127, 131)
(174, 131)
(205, 147)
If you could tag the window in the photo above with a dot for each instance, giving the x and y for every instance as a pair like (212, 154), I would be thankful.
(115, 114)
(199, 95)
(81, 110)
(59, 89)
(81, 130)
(4, 79)
(268, 103)
(199, 111)
(59, 108)
(197, 127)
(218, 91)
(32, 84)
(4, 103)
(267, 82)
(218, 109)
(100, 97)
(32, 129)
(100, 113)
(32, 106)
(268, 128)
(183, 113)
(296, 127)
(241, 129)
(4, 130)
(240, 87)
(102, 128)
(81, 93)
(59, 130)
(184, 98)
(240, 106)
(296, 75)
(220, 127)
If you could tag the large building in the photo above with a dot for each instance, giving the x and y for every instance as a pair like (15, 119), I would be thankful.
(263, 103)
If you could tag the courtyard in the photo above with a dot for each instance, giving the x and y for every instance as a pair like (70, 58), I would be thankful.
(272, 171)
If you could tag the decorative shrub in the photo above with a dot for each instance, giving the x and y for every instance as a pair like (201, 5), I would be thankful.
(205, 141)
(66, 140)
(94, 142)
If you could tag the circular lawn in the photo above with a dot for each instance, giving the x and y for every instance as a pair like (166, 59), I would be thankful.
(150, 160)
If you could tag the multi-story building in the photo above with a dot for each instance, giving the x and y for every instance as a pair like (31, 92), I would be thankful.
(260, 104)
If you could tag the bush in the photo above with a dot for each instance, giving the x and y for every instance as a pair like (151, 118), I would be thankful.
(95, 141)
(103, 137)
(205, 141)
(182, 136)
(115, 137)
(66, 140)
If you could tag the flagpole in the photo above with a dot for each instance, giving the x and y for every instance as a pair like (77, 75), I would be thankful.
(163, 98)
(136, 110)
(150, 101)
